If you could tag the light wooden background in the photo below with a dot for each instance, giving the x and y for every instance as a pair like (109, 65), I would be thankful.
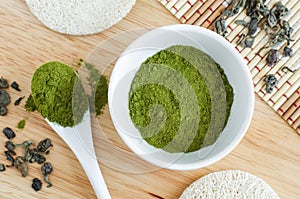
(270, 149)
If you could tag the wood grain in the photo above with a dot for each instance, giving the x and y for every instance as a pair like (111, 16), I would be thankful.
(269, 150)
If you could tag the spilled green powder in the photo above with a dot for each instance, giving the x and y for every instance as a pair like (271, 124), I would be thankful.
(29, 105)
(57, 93)
(180, 100)
(99, 89)
(21, 124)
(101, 95)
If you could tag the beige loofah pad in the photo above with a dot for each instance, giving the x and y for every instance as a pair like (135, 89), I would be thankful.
(79, 17)
(231, 184)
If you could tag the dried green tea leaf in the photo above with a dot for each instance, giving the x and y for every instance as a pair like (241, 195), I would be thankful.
(287, 29)
(220, 27)
(9, 158)
(4, 98)
(18, 101)
(277, 39)
(253, 25)
(240, 40)
(271, 82)
(15, 86)
(262, 9)
(286, 68)
(250, 6)
(2, 167)
(10, 146)
(280, 10)
(247, 42)
(3, 83)
(272, 20)
(3, 110)
(44, 145)
(9, 133)
(241, 22)
(273, 57)
(36, 184)
(21, 165)
(287, 51)
(237, 5)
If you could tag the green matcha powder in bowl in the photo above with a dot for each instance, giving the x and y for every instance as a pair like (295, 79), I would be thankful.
(171, 131)
(181, 97)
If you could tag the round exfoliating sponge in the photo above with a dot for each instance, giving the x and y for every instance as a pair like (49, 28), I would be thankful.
(233, 184)
(79, 17)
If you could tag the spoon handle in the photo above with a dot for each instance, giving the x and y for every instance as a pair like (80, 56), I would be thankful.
(93, 172)
(79, 139)
(90, 165)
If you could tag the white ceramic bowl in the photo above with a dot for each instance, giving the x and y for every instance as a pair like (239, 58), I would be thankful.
(223, 53)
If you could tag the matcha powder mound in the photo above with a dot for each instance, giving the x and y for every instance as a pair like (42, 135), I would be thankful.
(58, 94)
(180, 100)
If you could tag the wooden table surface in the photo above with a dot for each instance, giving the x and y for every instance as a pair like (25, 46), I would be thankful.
(270, 149)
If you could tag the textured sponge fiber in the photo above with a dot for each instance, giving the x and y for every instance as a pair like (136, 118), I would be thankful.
(231, 184)
(79, 17)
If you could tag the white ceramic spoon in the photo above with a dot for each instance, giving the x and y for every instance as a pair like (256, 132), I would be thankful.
(80, 140)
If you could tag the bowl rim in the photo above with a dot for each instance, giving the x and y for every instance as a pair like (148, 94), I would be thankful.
(239, 136)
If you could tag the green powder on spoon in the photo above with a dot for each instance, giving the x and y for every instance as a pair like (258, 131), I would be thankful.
(57, 93)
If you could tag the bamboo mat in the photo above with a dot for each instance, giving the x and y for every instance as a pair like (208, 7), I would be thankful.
(285, 99)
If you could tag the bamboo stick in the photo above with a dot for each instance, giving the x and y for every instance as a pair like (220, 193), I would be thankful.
(192, 12)
(170, 4)
(294, 116)
(177, 6)
(199, 12)
(296, 125)
(289, 102)
(185, 8)
(208, 12)
(291, 109)
(164, 2)
(282, 98)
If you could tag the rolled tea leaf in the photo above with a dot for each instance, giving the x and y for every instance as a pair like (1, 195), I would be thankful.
(247, 42)
(241, 22)
(220, 27)
(237, 5)
(272, 20)
(253, 25)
